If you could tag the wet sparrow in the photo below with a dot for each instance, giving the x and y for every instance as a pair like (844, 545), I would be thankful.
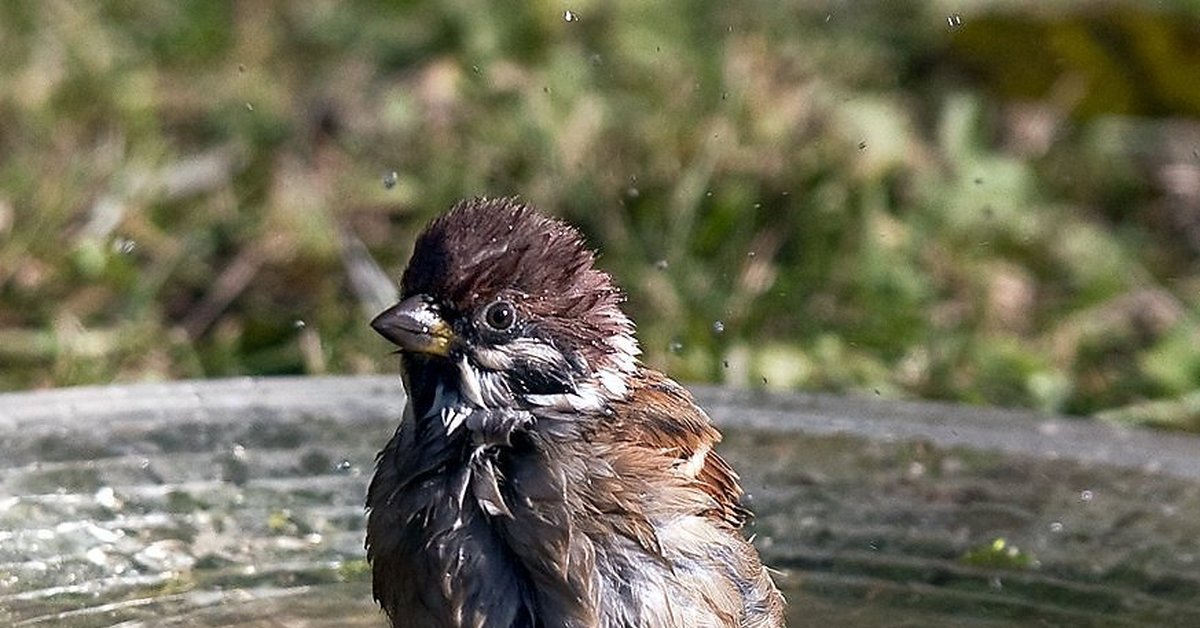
(542, 476)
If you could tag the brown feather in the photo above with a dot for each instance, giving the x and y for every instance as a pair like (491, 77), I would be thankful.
(541, 477)
(661, 414)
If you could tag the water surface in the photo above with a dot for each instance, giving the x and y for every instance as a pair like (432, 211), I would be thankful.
(239, 503)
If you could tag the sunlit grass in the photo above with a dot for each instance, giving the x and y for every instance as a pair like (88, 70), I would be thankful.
(793, 197)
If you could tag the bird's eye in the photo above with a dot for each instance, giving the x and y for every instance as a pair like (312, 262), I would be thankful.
(500, 315)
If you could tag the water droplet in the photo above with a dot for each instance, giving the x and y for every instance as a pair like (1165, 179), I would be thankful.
(123, 246)
(570, 16)
(862, 145)
(1056, 527)
(1086, 495)
(954, 21)
(107, 498)
(718, 327)
(299, 324)
(662, 264)
(389, 180)
(675, 346)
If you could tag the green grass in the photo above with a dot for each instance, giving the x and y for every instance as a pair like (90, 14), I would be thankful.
(872, 200)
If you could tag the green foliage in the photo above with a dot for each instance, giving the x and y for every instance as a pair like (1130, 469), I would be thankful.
(793, 197)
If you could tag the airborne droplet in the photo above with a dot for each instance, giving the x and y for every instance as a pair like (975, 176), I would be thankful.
(123, 246)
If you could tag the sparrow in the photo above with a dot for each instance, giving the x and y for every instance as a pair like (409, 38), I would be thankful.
(542, 476)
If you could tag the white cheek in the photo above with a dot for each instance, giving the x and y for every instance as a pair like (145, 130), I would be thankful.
(493, 390)
(612, 382)
(538, 352)
(533, 351)
(587, 398)
(493, 359)
(483, 388)
(625, 352)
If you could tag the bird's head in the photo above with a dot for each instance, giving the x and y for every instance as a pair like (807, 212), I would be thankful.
(507, 306)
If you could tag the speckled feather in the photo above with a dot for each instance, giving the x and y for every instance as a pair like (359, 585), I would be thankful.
(584, 491)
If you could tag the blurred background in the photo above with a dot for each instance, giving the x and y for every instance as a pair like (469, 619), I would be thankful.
(986, 201)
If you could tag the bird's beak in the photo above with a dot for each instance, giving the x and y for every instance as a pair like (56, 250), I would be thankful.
(416, 326)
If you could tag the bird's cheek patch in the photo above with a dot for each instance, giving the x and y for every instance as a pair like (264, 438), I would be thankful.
(492, 358)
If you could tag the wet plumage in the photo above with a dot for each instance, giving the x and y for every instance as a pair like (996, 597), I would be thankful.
(541, 475)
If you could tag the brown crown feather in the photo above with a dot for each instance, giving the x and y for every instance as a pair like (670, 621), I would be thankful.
(485, 249)
(483, 246)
